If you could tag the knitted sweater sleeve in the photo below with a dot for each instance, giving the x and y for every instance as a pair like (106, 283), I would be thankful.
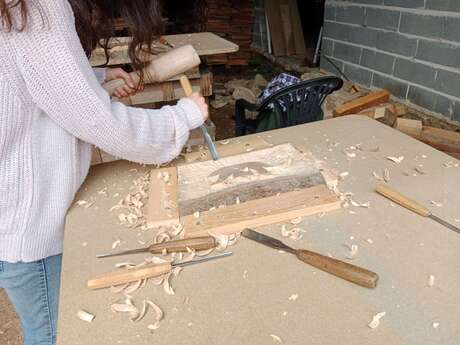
(62, 84)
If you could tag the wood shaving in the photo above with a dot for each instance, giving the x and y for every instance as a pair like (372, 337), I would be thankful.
(297, 220)
(431, 279)
(85, 316)
(435, 325)
(164, 175)
(396, 160)
(116, 244)
(376, 320)
(245, 274)
(293, 297)
(353, 251)
(276, 338)
(196, 215)
(435, 203)
(376, 176)
(294, 234)
(419, 170)
(81, 203)
(167, 285)
(118, 289)
(370, 241)
(386, 175)
(221, 239)
(349, 154)
(133, 287)
(224, 142)
(177, 270)
(126, 306)
(343, 175)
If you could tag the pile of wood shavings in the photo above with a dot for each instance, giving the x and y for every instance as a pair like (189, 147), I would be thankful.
(132, 205)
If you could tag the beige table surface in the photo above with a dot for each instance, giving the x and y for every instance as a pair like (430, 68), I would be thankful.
(205, 43)
(244, 299)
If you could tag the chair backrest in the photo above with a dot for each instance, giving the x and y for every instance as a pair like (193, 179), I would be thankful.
(301, 103)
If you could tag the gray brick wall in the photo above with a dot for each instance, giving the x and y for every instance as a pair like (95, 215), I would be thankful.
(260, 36)
(410, 47)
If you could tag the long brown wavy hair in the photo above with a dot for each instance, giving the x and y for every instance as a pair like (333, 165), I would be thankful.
(94, 20)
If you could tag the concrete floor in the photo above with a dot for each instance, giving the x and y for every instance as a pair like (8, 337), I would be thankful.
(10, 329)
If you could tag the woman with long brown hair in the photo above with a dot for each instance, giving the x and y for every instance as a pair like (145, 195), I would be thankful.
(52, 108)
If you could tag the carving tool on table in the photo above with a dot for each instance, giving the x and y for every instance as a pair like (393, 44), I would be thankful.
(185, 83)
(197, 243)
(336, 267)
(128, 275)
(412, 205)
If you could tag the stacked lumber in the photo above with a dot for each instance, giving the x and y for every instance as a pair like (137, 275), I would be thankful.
(441, 139)
(232, 20)
(285, 27)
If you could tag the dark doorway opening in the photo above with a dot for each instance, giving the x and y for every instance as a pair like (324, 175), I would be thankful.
(312, 17)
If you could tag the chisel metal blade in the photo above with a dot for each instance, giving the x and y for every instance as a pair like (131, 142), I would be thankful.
(266, 240)
(200, 260)
(443, 222)
(209, 143)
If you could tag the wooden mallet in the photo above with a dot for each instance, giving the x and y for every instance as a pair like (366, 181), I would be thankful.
(166, 66)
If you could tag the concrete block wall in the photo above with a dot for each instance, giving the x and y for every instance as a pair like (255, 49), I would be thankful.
(260, 35)
(410, 47)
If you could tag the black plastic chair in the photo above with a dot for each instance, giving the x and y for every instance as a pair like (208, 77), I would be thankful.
(293, 105)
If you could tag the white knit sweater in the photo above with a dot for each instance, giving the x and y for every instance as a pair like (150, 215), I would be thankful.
(51, 108)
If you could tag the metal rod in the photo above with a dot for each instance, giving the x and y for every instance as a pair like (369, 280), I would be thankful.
(198, 261)
(318, 45)
(126, 252)
(446, 224)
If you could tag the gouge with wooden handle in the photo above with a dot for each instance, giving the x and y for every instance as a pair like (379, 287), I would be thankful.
(336, 267)
(197, 243)
(128, 275)
(412, 205)
(185, 83)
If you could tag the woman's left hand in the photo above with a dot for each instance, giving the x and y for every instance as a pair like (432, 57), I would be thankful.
(123, 91)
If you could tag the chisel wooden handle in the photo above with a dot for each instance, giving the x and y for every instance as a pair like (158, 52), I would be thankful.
(402, 200)
(197, 243)
(185, 83)
(127, 275)
(339, 268)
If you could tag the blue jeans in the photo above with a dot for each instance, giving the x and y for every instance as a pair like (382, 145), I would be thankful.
(33, 289)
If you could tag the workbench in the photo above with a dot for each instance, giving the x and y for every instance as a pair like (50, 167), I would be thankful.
(245, 299)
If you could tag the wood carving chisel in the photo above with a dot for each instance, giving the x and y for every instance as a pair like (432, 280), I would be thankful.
(336, 267)
(128, 275)
(197, 243)
(207, 137)
(412, 205)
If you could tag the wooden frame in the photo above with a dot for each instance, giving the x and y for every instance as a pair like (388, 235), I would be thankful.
(260, 211)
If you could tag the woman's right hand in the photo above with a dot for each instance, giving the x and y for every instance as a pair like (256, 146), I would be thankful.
(201, 103)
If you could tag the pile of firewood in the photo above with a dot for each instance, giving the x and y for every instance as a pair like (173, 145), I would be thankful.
(232, 20)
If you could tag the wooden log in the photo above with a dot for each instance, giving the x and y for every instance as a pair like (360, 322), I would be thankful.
(442, 139)
(362, 103)
(410, 127)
